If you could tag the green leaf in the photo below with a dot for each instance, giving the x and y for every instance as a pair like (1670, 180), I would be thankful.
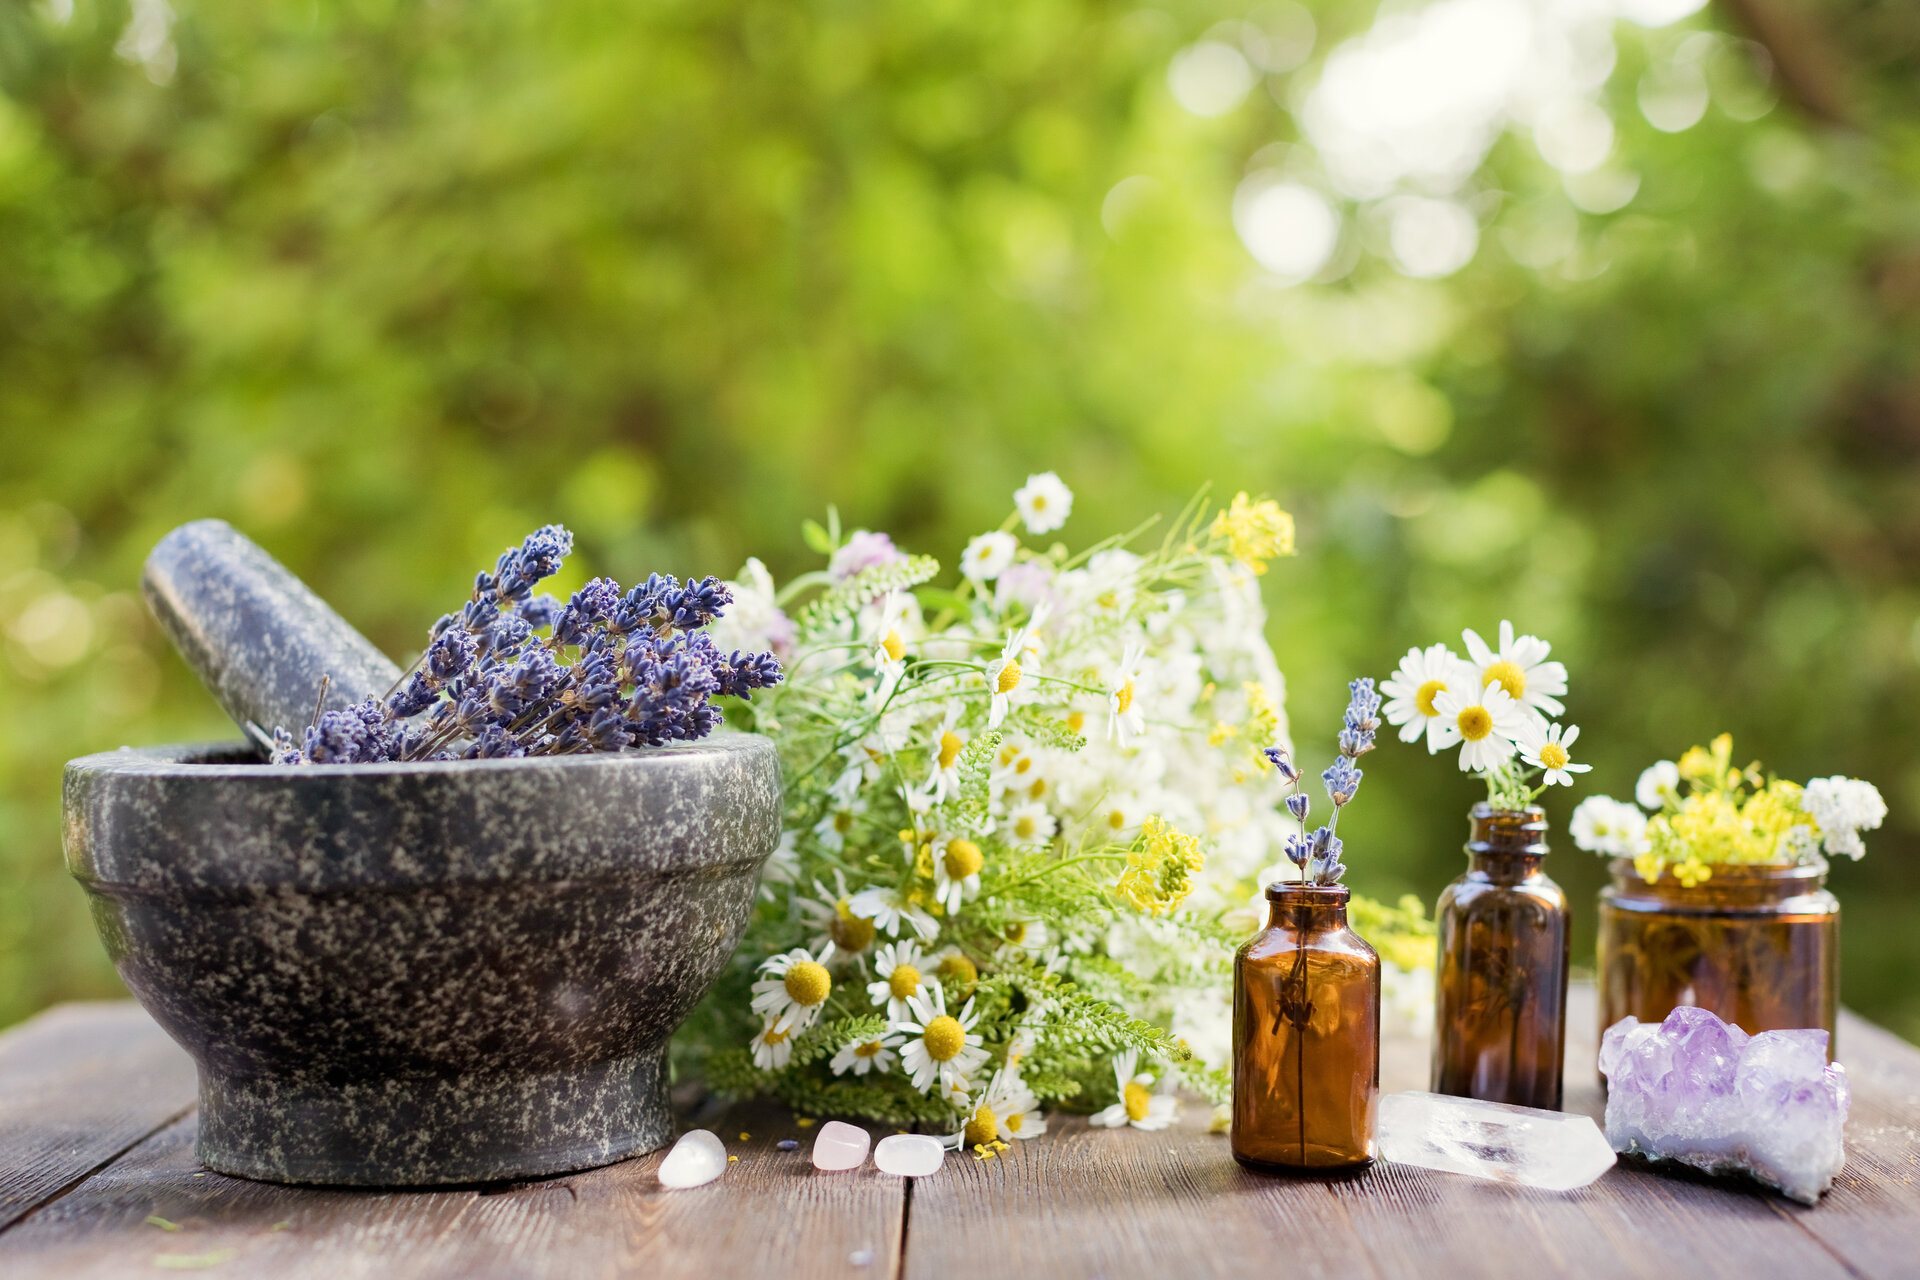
(815, 537)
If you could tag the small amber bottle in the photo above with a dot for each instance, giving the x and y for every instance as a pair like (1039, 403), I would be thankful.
(1306, 1036)
(1500, 1022)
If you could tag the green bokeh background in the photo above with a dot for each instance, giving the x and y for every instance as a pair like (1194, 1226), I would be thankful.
(388, 284)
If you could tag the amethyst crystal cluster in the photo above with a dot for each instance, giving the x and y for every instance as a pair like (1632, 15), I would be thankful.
(518, 673)
(1696, 1090)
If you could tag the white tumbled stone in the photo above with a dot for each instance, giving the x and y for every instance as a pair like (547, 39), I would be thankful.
(697, 1159)
(911, 1155)
(840, 1146)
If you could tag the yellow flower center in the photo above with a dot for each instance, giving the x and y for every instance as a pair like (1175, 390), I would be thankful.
(1424, 696)
(1016, 932)
(962, 859)
(950, 745)
(1038, 789)
(1076, 720)
(944, 1038)
(1508, 676)
(871, 1049)
(771, 1036)
(895, 647)
(904, 981)
(1137, 1097)
(958, 972)
(1009, 678)
(842, 822)
(1123, 697)
(1476, 722)
(1025, 826)
(982, 1126)
(1117, 819)
(1025, 763)
(1554, 756)
(1014, 1122)
(808, 983)
(849, 931)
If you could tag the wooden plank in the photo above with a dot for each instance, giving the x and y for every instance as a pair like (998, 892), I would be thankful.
(772, 1214)
(79, 1085)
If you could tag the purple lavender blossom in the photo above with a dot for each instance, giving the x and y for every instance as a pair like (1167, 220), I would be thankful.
(1277, 757)
(1299, 804)
(861, 551)
(1341, 780)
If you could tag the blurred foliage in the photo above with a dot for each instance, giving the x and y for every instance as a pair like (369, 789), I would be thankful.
(389, 284)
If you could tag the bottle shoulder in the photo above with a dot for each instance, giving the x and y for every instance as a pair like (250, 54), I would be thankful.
(1274, 945)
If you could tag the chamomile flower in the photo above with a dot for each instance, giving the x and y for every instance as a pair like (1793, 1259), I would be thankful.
(1030, 823)
(956, 872)
(1487, 725)
(796, 986)
(1003, 677)
(1422, 676)
(783, 865)
(889, 647)
(832, 830)
(897, 967)
(831, 913)
(773, 1047)
(1139, 1105)
(1126, 718)
(1520, 667)
(1030, 936)
(1659, 785)
(941, 1049)
(862, 1056)
(889, 909)
(943, 757)
(1007, 1111)
(988, 555)
(1547, 749)
(1044, 502)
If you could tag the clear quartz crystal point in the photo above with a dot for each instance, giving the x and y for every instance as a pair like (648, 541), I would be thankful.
(911, 1155)
(1701, 1092)
(840, 1146)
(698, 1158)
(1547, 1149)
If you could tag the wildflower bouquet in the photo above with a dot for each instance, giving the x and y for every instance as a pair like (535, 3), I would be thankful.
(1494, 705)
(1027, 821)
(1725, 815)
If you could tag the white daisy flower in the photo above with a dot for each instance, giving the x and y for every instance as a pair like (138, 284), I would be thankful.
(1547, 749)
(1003, 677)
(1044, 502)
(889, 647)
(1520, 667)
(862, 1056)
(1005, 1112)
(1844, 807)
(1422, 676)
(830, 912)
(988, 555)
(783, 865)
(1030, 823)
(1601, 824)
(1487, 726)
(1139, 1105)
(773, 1047)
(1030, 936)
(941, 1049)
(1659, 785)
(956, 872)
(832, 830)
(889, 910)
(897, 967)
(1126, 718)
(796, 986)
(943, 776)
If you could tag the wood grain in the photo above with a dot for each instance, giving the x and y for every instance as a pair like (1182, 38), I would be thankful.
(771, 1214)
(79, 1085)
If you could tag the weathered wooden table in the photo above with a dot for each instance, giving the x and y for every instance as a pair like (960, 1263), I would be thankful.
(97, 1178)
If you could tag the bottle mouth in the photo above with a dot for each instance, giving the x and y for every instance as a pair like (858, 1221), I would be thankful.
(1294, 893)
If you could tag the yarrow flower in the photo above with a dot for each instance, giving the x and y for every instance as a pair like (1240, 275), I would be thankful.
(1843, 808)
(1044, 503)
(1601, 824)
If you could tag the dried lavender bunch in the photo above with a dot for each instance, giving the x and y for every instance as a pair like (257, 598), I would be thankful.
(1317, 853)
(515, 673)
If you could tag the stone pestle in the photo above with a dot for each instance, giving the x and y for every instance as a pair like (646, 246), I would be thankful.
(257, 636)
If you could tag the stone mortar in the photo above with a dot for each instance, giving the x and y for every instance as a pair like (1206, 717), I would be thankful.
(423, 973)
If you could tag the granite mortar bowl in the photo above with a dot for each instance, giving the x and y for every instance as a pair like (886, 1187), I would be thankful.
(425, 973)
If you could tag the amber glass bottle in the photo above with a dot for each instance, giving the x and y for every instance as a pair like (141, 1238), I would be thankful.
(1500, 1021)
(1306, 1036)
(1757, 944)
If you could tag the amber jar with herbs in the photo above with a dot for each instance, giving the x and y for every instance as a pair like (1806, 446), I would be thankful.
(1500, 1017)
(1306, 1036)
(1757, 943)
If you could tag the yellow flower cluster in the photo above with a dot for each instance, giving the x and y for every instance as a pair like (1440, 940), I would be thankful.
(1160, 868)
(1720, 821)
(1256, 532)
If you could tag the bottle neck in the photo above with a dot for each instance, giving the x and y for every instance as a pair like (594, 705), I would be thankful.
(1307, 908)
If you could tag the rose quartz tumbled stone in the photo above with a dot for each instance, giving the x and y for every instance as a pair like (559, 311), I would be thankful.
(840, 1146)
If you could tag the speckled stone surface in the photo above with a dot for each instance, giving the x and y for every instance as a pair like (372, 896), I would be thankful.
(423, 973)
(256, 635)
